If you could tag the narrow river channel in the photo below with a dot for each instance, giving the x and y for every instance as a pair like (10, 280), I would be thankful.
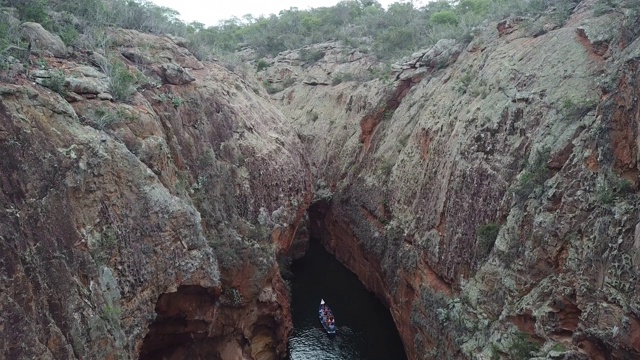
(365, 327)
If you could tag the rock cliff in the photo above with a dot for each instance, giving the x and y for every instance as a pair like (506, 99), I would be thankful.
(486, 193)
(148, 225)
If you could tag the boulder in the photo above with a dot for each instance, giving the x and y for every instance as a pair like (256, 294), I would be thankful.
(150, 49)
(87, 85)
(41, 39)
(178, 40)
(175, 74)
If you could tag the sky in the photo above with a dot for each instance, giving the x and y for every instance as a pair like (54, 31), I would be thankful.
(210, 12)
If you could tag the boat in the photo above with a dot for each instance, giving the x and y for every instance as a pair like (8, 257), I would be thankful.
(326, 318)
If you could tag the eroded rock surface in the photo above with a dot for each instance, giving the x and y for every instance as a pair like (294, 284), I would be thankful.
(489, 197)
(150, 226)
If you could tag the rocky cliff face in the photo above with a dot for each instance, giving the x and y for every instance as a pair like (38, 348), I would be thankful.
(487, 193)
(147, 225)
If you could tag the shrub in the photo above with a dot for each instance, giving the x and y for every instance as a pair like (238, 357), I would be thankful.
(56, 82)
(464, 82)
(342, 77)
(625, 186)
(311, 56)
(574, 110)
(388, 114)
(105, 117)
(487, 235)
(480, 7)
(393, 41)
(68, 34)
(32, 10)
(232, 297)
(176, 101)
(606, 194)
(534, 175)
(446, 17)
(262, 64)
(121, 82)
(603, 7)
(271, 89)
(522, 347)
(5, 35)
(559, 347)
(612, 188)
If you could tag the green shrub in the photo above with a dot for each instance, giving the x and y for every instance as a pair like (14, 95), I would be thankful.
(342, 77)
(576, 109)
(176, 101)
(56, 82)
(69, 34)
(612, 188)
(606, 194)
(522, 347)
(104, 118)
(32, 10)
(5, 38)
(603, 7)
(534, 175)
(262, 64)
(479, 7)
(495, 352)
(464, 82)
(121, 82)
(559, 347)
(625, 186)
(393, 41)
(311, 56)
(271, 89)
(487, 235)
(446, 17)
(388, 114)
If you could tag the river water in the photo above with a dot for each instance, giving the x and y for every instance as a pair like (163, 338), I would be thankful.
(365, 327)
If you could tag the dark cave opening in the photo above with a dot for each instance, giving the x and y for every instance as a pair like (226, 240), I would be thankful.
(181, 327)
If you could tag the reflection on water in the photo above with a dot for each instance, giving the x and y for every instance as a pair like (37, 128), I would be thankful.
(365, 327)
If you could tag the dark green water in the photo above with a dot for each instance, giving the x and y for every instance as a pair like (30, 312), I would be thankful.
(365, 327)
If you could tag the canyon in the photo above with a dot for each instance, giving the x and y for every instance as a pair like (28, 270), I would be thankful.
(486, 192)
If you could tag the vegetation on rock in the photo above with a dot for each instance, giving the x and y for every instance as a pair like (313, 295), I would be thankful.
(390, 33)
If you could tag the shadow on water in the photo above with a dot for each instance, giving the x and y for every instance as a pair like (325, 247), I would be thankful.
(365, 328)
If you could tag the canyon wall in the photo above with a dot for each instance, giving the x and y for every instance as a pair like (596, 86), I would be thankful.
(143, 205)
(487, 193)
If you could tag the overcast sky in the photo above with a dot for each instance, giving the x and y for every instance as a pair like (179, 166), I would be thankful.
(209, 12)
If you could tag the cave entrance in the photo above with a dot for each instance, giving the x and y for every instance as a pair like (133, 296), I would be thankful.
(181, 327)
